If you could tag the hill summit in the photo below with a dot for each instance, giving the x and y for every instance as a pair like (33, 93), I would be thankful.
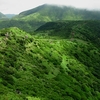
(49, 12)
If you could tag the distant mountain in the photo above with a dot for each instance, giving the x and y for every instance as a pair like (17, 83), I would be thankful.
(53, 12)
(10, 15)
(2, 15)
(32, 19)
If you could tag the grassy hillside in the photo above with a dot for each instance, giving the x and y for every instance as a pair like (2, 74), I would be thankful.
(39, 68)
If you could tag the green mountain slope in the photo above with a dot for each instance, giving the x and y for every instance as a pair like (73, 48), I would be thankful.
(34, 68)
(26, 26)
(53, 12)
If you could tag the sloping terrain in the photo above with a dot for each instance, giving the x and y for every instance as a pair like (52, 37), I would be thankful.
(39, 68)
(26, 26)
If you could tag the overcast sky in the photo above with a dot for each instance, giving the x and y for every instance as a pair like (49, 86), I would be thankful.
(17, 6)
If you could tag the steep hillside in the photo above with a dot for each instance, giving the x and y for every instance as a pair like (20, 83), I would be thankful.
(37, 68)
(53, 13)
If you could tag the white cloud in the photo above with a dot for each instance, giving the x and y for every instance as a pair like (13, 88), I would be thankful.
(17, 6)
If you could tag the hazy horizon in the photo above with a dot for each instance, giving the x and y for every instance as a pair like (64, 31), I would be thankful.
(15, 6)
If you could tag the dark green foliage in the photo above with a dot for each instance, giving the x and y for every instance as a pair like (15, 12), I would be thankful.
(38, 68)
(73, 30)
(26, 26)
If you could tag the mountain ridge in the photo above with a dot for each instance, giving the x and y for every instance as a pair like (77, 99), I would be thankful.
(60, 13)
(34, 18)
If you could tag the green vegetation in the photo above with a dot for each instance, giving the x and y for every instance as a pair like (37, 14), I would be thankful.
(28, 26)
(42, 58)
(53, 13)
(32, 19)
(37, 67)
(83, 30)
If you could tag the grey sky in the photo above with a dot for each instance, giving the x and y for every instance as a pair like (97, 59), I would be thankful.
(17, 6)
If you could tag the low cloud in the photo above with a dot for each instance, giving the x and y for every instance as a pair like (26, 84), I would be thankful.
(17, 6)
